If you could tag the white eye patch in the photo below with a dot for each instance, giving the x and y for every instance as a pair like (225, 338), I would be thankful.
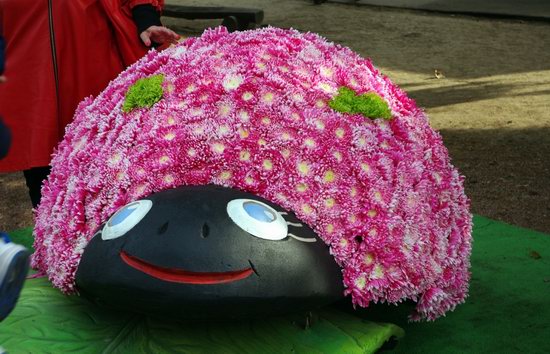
(125, 219)
(258, 219)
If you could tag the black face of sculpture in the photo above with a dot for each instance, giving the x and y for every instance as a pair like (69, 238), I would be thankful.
(207, 252)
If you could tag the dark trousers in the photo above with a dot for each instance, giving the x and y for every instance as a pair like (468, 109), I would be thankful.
(34, 178)
(5, 139)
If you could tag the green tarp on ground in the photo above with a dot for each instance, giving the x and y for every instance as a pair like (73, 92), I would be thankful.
(46, 321)
(508, 311)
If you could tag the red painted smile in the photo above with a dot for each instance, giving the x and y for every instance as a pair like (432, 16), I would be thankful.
(183, 276)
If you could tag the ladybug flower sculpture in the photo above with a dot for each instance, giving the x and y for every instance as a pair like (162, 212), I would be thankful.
(164, 184)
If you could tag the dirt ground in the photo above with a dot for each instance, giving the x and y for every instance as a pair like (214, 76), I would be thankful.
(491, 101)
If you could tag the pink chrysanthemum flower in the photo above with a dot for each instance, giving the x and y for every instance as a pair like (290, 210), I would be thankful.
(262, 111)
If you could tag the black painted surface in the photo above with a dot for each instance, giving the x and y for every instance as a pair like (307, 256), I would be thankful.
(188, 228)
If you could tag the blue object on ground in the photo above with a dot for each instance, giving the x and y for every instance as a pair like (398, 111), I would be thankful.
(14, 266)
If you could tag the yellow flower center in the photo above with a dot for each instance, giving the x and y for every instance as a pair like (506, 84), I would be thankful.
(303, 168)
(326, 72)
(268, 165)
(361, 282)
(223, 129)
(198, 130)
(224, 110)
(243, 133)
(218, 148)
(225, 175)
(115, 158)
(268, 97)
(329, 176)
(244, 155)
(377, 272)
(369, 258)
(244, 116)
(309, 142)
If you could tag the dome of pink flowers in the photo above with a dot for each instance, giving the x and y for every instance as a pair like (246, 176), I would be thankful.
(266, 112)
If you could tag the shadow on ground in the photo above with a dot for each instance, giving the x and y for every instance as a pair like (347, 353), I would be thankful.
(507, 173)
(469, 92)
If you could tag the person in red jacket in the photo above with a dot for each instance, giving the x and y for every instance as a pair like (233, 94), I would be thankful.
(57, 53)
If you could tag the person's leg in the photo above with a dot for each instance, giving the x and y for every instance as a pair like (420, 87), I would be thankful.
(5, 139)
(34, 178)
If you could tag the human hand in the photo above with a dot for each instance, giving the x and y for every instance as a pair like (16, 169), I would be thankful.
(3, 79)
(158, 34)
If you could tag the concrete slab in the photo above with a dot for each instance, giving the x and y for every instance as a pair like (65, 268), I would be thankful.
(528, 9)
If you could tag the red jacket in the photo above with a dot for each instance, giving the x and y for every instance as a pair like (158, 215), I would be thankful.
(57, 53)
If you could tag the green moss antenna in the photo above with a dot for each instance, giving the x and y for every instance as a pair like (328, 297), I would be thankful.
(368, 104)
(143, 93)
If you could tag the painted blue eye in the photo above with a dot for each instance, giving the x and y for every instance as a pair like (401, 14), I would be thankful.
(125, 219)
(259, 212)
(258, 219)
(122, 214)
